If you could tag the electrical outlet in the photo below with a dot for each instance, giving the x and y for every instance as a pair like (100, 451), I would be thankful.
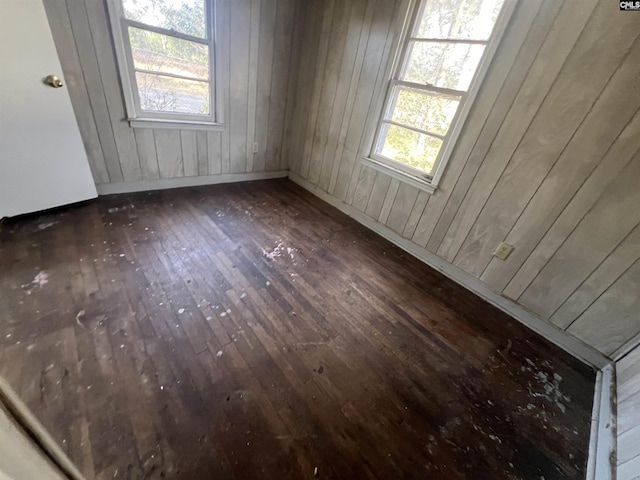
(503, 251)
(255, 147)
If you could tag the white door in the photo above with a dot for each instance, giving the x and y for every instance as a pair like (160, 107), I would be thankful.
(20, 457)
(43, 163)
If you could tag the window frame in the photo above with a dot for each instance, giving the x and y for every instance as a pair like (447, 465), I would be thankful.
(404, 172)
(136, 116)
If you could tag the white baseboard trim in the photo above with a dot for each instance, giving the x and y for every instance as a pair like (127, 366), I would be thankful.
(602, 444)
(601, 463)
(166, 183)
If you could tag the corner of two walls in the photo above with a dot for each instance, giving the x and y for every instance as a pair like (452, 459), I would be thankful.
(548, 159)
(255, 43)
(549, 149)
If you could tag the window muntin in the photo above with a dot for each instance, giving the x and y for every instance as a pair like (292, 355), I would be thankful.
(168, 46)
(440, 58)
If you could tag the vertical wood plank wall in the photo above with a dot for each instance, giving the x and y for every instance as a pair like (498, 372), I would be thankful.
(628, 373)
(255, 42)
(548, 161)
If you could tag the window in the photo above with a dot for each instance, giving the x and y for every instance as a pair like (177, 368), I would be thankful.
(165, 52)
(445, 53)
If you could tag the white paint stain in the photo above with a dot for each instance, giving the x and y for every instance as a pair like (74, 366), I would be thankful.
(41, 279)
(219, 354)
(45, 225)
(280, 250)
(181, 311)
(79, 315)
(547, 387)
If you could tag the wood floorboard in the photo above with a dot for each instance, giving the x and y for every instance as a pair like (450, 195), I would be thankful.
(252, 331)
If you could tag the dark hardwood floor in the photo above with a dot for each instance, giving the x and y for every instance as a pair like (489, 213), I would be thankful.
(252, 331)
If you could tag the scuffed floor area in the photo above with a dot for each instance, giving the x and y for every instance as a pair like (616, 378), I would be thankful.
(252, 331)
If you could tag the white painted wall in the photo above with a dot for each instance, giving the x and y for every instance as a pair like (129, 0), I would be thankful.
(628, 373)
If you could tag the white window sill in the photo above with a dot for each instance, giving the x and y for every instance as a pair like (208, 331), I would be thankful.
(174, 124)
(419, 183)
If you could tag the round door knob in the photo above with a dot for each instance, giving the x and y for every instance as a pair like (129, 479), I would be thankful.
(53, 81)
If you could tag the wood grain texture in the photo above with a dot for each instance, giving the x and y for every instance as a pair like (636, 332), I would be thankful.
(353, 34)
(202, 149)
(266, 39)
(628, 376)
(73, 76)
(520, 137)
(87, 56)
(223, 20)
(584, 152)
(522, 40)
(609, 271)
(147, 153)
(329, 82)
(253, 96)
(401, 207)
(558, 135)
(618, 308)
(177, 337)
(616, 159)
(352, 93)
(169, 150)
(538, 163)
(597, 235)
(315, 92)
(189, 152)
(372, 62)
(123, 134)
(214, 153)
(279, 88)
(391, 44)
(255, 49)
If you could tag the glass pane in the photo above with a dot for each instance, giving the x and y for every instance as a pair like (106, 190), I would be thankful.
(185, 16)
(447, 65)
(424, 110)
(173, 95)
(466, 19)
(162, 53)
(411, 148)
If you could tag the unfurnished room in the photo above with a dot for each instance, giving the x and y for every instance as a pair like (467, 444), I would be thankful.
(332, 239)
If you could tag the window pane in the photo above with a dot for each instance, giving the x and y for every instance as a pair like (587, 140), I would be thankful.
(162, 53)
(173, 95)
(185, 16)
(447, 65)
(424, 110)
(466, 19)
(411, 148)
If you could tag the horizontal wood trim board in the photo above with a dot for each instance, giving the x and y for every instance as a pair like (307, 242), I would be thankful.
(166, 183)
(552, 333)
(399, 175)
